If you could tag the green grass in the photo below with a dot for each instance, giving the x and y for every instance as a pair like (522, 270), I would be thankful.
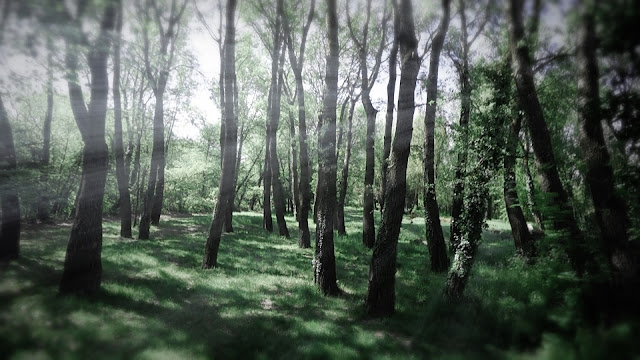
(156, 302)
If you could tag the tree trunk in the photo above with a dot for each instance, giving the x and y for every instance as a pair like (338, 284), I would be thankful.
(344, 179)
(157, 160)
(465, 112)
(522, 238)
(531, 202)
(274, 120)
(294, 166)
(381, 288)
(610, 210)
(435, 237)
(231, 137)
(42, 212)
(324, 261)
(304, 240)
(267, 220)
(388, 125)
(118, 147)
(563, 218)
(9, 201)
(83, 265)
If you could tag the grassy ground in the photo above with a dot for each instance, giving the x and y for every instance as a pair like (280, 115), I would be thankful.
(156, 302)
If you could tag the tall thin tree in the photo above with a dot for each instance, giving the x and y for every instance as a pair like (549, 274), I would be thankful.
(382, 271)
(83, 263)
(325, 261)
(435, 237)
(231, 137)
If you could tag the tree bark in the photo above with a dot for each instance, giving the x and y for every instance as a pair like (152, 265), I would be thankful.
(563, 218)
(82, 273)
(382, 271)
(435, 237)
(610, 210)
(294, 166)
(388, 125)
(277, 60)
(231, 137)
(522, 238)
(118, 147)
(465, 112)
(344, 179)
(9, 200)
(531, 202)
(304, 240)
(362, 44)
(42, 210)
(324, 261)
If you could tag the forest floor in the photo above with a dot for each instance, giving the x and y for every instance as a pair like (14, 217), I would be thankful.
(156, 301)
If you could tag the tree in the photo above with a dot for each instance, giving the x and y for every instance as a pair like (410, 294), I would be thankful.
(382, 271)
(158, 80)
(562, 218)
(82, 273)
(231, 137)
(122, 174)
(344, 176)
(610, 210)
(367, 82)
(274, 119)
(463, 68)
(324, 261)
(297, 64)
(435, 238)
(42, 213)
(9, 200)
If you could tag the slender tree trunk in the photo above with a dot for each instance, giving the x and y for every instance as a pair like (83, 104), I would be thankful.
(381, 288)
(435, 237)
(267, 219)
(157, 160)
(231, 137)
(522, 238)
(531, 202)
(83, 264)
(118, 147)
(324, 261)
(274, 120)
(294, 166)
(610, 210)
(465, 112)
(563, 218)
(344, 179)
(388, 125)
(304, 240)
(42, 212)
(9, 201)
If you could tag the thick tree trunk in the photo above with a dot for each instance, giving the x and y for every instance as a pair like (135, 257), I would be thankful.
(435, 237)
(610, 210)
(267, 219)
(231, 137)
(9, 201)
(563, 218)
(344, 179)
(324, 261)
(157, 160)
(381, 288)
(83, 265)
(118, 147)
(522, 238)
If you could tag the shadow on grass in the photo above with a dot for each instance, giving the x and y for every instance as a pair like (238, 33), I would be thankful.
(261, 302)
